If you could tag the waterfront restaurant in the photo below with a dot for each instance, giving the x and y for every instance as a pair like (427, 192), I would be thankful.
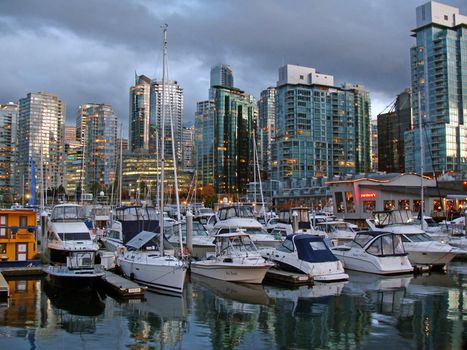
(355, 199)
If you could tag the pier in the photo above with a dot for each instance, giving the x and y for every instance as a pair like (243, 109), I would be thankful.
(122, 287)
(287, 278)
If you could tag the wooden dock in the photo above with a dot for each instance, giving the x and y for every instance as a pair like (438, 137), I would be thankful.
(122, 287)
(287, 278)
(4, 289)
(22, 271)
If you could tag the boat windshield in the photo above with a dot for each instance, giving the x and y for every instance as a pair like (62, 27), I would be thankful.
(68, 212)
(363, 238)
(237, 243)
(386, 245)
(74, 236)
(394, 217)
(235, 212)
(417, 237)
(254, 231)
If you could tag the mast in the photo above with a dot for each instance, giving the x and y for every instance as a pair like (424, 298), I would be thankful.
(422, 159)
(120, 174)
(259, 176)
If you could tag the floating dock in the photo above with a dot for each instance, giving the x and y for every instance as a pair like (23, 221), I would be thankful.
(4, 289)
(122, 287)
(22, 271)
(287, 278)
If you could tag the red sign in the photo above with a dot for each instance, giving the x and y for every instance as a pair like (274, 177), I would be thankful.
(368, 195)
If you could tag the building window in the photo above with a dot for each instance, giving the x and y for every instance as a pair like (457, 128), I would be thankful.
(3, 224)
(404, 204)
(369, 206)
(437, 206)
(339, 202)
(416, 205)
(2, 248)
(388, 205)
(349, 202)
(23, 221)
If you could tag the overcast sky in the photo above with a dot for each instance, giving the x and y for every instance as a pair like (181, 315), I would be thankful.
(88, 50)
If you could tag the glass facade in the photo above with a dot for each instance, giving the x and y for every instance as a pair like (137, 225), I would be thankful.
(321, 131)
(8, 143)
(40, 129)
(266, 129)
(139, 114)
(439, 77)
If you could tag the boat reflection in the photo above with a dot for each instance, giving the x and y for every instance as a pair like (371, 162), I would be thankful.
(241, 292)
(20, 309)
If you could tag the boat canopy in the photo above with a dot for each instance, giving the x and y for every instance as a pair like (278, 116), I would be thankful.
(141, 239)
(235, 212)
(312, 248)
(393, 217)
(382, 243)
(68, 212)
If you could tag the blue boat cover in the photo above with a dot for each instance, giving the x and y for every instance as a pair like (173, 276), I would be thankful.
(304, 245)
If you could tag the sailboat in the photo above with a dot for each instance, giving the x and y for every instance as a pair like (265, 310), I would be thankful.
(147, 260)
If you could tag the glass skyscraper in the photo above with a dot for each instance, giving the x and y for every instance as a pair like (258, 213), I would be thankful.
(40, 129)
(140, 104)
(439, 77)
(8, 143)
(266, 129)
(321, 130)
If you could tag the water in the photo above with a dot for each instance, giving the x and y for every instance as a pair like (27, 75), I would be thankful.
(367, 312)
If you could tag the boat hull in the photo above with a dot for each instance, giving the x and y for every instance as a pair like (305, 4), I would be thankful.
(430, 258)
(392, 265)
(232, 272)
(161, 273)
(62, 276)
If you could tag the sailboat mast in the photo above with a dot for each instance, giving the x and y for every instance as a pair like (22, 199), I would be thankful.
(162, 149)
(422, 159)
(259, 176)
(120, 174)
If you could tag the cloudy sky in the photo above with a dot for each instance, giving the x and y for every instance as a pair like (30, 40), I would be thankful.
(88, 50)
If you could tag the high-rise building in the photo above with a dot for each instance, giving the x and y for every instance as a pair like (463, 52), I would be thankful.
(187, 148)
(99, 145)
(391, 128)
(266, 129)
(73, 167)
(321, 129)
(40, 130)
(139, 123)
(439, 90)
(222, 75)
(173, 111)
(374, 145)
(8, 144)
(224, 129)
(70, 133)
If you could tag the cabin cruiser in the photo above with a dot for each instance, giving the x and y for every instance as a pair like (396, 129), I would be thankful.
(375, 252)
(233, 218)
(143, 262)
(421, 248)
(72, 250)
(340, 232)
(286, 219)
(307, 254)
(202, 242)
(236, 260)
(437, 231)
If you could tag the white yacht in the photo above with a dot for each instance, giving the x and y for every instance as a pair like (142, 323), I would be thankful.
(422, 249)
(72, 250)
(375, 252)
(236, 260)
(286, 219)
(202, 242)
(340, 232)
(143, 263)
(307, 254)
(234, 218)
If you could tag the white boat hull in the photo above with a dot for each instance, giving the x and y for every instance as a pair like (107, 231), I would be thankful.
(390, 265)
(231, 272)
(163, 273)
(430, 258)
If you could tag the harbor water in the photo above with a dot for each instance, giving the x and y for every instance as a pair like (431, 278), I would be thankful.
(367, 312)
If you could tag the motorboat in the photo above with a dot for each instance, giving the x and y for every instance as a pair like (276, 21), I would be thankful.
(375, 252)
(144, 263)
(307, 254)
(435, 230)
(287, 217)
(233, 218)
(236, 260)
(340, 232)
(202, 242)
(421, 248)
(72, 250)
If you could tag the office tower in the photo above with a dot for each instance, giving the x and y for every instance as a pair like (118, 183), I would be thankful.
(223, 142)
(187, 148)
(99, 146)
(139, 123)
(40, 130)
(321, 129)
(70, 133)
(8, 144)
(391, 128)
(266, 129)
(439, 77)
(222, 75)
(374, 145)
(173, 110)
(73, 167)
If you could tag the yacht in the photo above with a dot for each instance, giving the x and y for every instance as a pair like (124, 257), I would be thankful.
(143, 262)
(202, 242)
(307, 254)
(72, 250)
(375, 252)
(340, 232)
(421, 248)
(236, 260)
(233, 218)
(286, 217)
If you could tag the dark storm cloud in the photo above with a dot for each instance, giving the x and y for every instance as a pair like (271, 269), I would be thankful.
(87, 51)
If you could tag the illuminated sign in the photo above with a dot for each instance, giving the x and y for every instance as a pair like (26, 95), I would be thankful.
(368, 195)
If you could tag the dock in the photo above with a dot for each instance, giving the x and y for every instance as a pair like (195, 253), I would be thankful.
(288, 278)
(26, 271)
(4, 289)
(122, 287)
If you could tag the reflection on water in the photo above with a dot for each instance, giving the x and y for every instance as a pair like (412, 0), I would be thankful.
(368, 311)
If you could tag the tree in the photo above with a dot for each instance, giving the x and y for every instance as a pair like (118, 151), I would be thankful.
(208, 196)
